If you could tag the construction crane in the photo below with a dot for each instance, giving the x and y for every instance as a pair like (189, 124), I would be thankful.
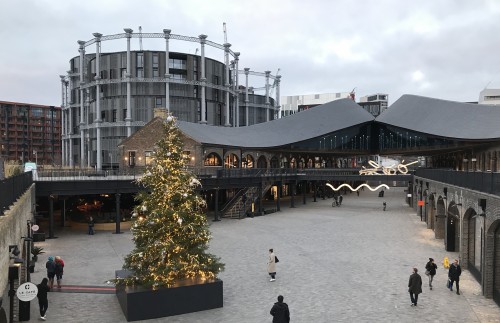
(352, 94)
(274, 83)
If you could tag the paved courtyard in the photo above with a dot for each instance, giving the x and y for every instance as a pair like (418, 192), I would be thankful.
(346, 264)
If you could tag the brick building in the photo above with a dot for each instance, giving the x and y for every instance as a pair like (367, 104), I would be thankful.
(30, 132)
(459, 198)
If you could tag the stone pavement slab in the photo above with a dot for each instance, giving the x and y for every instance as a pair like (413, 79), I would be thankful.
(341, 264)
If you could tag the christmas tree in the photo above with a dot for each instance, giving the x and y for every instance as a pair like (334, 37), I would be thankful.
(170, 230)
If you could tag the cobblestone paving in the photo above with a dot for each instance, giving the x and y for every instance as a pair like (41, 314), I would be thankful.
(346, 264)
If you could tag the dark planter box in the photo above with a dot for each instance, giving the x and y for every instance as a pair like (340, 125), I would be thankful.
(38, 236)
(139, 303)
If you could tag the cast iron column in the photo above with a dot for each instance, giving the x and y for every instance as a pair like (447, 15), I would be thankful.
(81, 44)
(203, 80)
(51, 217)
(118, 215)
(166, 35)
(98, 120)
(128, 75)
(278, 208)
(227, 84)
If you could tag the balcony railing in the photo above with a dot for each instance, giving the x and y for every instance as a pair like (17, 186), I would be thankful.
(12, 188)
(486, 182)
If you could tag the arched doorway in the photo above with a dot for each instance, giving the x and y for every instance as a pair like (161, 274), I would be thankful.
(492, 260)
(431, 209)
(472, 230)
(262, 162)
(231, 161)
(453, 228)
(496, 264)
(213, 159)
(284, 162)
(440, 218)
(247, 162)
(275, 162)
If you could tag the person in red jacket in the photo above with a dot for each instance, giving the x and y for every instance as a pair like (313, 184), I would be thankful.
(59, 270)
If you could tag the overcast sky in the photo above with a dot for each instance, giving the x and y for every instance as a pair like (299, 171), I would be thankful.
(448, 49)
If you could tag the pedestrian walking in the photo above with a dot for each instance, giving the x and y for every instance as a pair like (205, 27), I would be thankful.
(340, 200)
(59, 270)
(280, 311)
(385, 205)
(51, 271)
(430, 271)
(271, 265)
(454, 275)
(43, 300)
(91, 225)
(414, 286)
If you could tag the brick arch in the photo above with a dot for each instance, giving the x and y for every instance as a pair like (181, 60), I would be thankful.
(470, 242)
(231, 160)
(262, 162)
(440, 219)
(248, 161)
(274, 162)
(452, 231)
(212, 159)
(431, 212)
(491, 284)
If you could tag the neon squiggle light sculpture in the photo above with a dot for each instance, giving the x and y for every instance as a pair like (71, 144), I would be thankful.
(357, 188)
(391, 170)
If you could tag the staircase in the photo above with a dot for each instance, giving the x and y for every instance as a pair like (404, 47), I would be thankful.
(236, 208)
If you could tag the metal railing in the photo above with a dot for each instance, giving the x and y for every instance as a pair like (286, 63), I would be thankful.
(88, 174)
(487, 182)
(12, 188)
(203, 172)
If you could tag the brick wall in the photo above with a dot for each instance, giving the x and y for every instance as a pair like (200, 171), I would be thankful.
(471, 247)
(12, 228)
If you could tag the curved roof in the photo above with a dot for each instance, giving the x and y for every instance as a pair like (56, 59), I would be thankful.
(311, 123)
(443, 118)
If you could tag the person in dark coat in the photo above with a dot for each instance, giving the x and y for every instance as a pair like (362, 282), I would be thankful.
(280, 311)
(51, 270)
(414, 286)
(454, 275)
(430, 268)
(43, 300)
(91, 225)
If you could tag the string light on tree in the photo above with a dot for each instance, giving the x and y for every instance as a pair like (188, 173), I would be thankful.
(170, 230)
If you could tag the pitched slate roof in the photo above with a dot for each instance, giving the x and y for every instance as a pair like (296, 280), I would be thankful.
(311, 123)
(444, 118)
